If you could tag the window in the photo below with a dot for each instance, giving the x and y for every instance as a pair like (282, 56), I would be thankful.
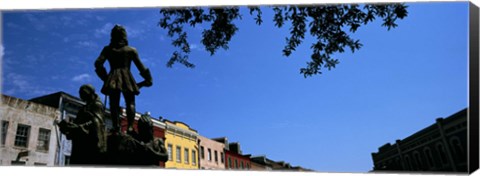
(418, 160)
(241, 165)
(408, 162)
(222, 157)
(236, 164)
(4, 131)
(429, 155)
(185, 154)
(230, 165)
(179, 154)
(216, 156)
(209, 155)
(202, 152)
(21, 139)
(169, 150)
(458, 149)
(43, 139)
(398, 165)
(194, 157)
(441, 152)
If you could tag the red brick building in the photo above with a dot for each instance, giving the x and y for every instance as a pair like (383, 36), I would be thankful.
(234, 159)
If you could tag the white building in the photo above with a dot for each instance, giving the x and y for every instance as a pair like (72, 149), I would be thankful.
(28, 134)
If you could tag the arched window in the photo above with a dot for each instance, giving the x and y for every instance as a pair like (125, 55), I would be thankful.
(398, 165)
(408, 163)
(457, 149)
(418, 160)
(429, 156)
(442, 154)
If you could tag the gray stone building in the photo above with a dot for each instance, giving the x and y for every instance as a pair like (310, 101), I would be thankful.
(441, 146)
(28, 134)
(67, 106)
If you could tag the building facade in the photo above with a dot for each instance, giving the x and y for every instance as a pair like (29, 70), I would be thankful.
(181, 143)
(212, 154)
(261, 163)
(28, 135)
(68, 106)
(441, 146)
(281, 165)
(235, 160)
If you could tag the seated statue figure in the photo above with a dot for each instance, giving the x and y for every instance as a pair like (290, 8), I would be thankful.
(87, 131)
(156, 147)
(140, 149)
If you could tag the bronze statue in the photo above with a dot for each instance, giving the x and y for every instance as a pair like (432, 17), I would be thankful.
(120, 80)
(87, 131)
(140, 149)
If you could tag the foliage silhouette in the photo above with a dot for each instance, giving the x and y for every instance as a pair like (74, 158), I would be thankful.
(329, 24)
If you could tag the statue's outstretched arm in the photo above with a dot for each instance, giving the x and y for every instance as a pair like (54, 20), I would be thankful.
(72, 130)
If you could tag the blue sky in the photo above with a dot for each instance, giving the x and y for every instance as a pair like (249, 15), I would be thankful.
(399, 82)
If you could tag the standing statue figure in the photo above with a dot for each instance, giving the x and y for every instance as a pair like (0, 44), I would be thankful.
(87, 131)
(120, 80)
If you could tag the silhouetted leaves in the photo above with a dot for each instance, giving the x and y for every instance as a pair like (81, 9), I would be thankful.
(329, 24)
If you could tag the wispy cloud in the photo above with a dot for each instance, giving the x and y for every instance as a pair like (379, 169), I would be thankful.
(79, 62)
(2, 51)
(66, 39)
(1, 60)
(99, 18)
(150, 61)
(7, 63)
(135, 32)
(87, 44)
(15, 26)
(104, 30)
(75, 37)
(195, 47)
(66, 20)
(40, 24)
(162, 38)
(82, 78)
(23, 85)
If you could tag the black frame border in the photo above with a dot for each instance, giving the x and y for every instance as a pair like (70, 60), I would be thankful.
(473, 114)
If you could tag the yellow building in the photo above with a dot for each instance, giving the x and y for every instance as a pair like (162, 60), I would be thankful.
(181, 144)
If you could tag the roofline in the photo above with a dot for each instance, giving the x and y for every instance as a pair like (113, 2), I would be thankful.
(219, 138)
(456, 114)
(432, 125)
(175, 122)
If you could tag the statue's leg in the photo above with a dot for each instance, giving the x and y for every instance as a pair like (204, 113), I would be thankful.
(115, 110)
(130, 101)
